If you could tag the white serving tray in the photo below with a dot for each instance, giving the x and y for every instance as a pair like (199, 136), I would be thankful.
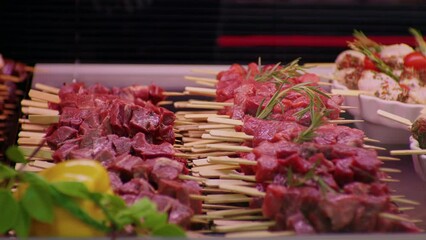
(170, 77)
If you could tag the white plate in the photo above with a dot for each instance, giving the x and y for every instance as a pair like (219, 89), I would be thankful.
(419, 161)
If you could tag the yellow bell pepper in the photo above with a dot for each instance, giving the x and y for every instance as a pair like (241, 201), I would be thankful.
(95, 177)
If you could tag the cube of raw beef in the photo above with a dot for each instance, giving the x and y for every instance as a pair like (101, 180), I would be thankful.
(122, 145)
(145, 120)
(147, 150)
(181, 190)
(178, 213)
(81, 153)
(125, 163)
(72, 117)
(135, 186)
(167, 169)
(298, 223)
(116, 113)
(115, 180)
(61, 134)
(62, 153)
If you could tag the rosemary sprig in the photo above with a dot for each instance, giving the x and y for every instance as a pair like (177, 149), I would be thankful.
(419, 39)
(313, 93)
(380, 64)
(362, 39)
(277, 74)
(317, 120)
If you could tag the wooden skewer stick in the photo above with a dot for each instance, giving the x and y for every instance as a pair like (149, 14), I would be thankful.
(407, 152)
(218, 206)
(235, 212)
(39, 111)
(233, 161)
(193, 101)
(249, 178)
(394, 117)
(223, 139)
(170, 94)
(29, 103)
(197, 106)
(373, 147)
(201, 91)
(44, 96)
(396, 217)
(224, 147)
(345, 121)
(162, 103)
(406, 208)
(11, 78)
(244, 227)
(389, 180)
(384, 158)
(390, 170)
(366, 139)
(243, 190)
(259, 234)
(46, 88)
(43, 119)
(203, 116)
(240, 135)
(225, 121)
(402, 200)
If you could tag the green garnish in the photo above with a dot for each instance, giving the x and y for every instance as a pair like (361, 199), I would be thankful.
(313, 92)
(277, 74)
(41, 197)
(419, 39)
(316, 121)
(365, 45)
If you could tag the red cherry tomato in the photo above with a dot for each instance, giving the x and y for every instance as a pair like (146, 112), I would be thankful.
(404, 87)
(415, 60)
(369, 65)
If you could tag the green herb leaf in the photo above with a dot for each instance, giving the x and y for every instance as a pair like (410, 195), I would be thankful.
(72, 189)
(419, 39)
(34, 179)
(7, 172)
(23, 223)
(169, 230)
(8, 210)
(38, 203)
(365, 45)
(154, 219)
(14, 154)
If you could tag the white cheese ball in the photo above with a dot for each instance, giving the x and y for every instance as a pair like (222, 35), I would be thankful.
(380, 84)
(395, 50)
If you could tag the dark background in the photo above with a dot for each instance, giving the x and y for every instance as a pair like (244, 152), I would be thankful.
(182, 32)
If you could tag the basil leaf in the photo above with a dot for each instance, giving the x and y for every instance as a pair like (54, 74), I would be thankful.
(38, 203)
(72, 189)
(168, 230)
(14, 154)
(8, 210)
(23, 223)
(35, 179)
(7, 172)
(154, 219)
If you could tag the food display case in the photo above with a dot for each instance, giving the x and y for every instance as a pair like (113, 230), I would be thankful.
(205, 109)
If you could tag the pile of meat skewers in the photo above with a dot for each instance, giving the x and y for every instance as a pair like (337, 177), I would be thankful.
(131, 136)
(310, 175)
